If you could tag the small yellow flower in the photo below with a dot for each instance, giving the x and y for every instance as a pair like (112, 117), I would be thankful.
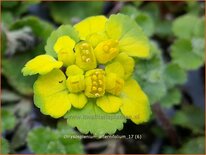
(98, 67)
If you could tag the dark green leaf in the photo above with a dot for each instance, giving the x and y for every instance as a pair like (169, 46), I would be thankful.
(174, 75)
(4, 146)
(8, 120)
(183, 26)
(66, 12)
(184, 55)
(193, 146)
(172, 97)
(149, 73)
(190, 117)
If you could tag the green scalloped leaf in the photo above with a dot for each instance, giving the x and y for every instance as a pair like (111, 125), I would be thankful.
(130, 11)
(92, 119)
(186, 54)
(190, 117)
(62, 30)
(54, 141)
(174, 74)
(146, 22)
(39, 138)
(142, 18)
(12, 66)
(71, 145)
(149, 74)
(183, 26)
(66, 12)
(193, 146)
(8, 120)
(4, 146)
(55, 147)
(172, 97)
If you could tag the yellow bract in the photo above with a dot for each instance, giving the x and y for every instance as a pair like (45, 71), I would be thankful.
(78, 100)
(135, 102)
(50, 92)
(90, 25)
(109, 103)
(41, 64)
(127, 63)
(64, 48)
(74, 70)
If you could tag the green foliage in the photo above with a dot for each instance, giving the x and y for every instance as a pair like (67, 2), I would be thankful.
(188, 49)
(17, 7)
(92, 119)
(190, 117)
(47, 140)
(61, 31)
(186, 55)
(8, 118)
(174, 74)
(172, 97)
(142, 18)
(188, 26)
(66, 12)
(4, 146)
(193, 146)
(12, 66)
(149, 73)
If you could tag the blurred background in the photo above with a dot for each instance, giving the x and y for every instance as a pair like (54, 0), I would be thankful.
(173, 78)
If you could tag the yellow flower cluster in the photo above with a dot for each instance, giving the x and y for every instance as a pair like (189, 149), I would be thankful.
(99, 66)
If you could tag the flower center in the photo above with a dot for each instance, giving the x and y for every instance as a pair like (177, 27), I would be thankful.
(106, 51)
(85, 57)
(95, 83)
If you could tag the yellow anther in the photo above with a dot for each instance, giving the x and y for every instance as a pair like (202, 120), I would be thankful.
(85, 45)
(94, 77)
(86, 52)
(97, 95)
(96, 73)
(94, 83)
(83, 57)
(94, 88)
(88, 60)
(100, 89)
(100, 82)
